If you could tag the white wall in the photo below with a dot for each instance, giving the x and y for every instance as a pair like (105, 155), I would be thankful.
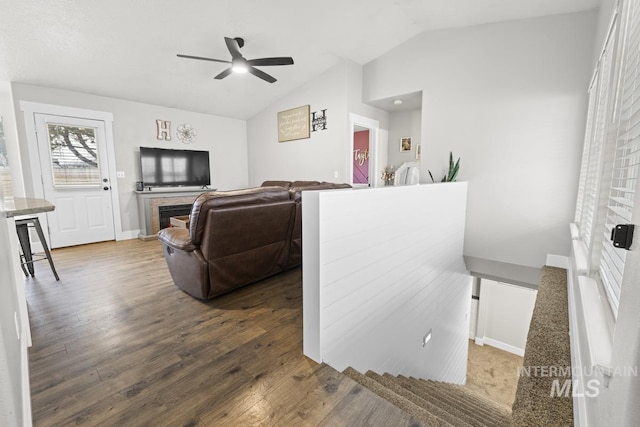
(509, 99)
(15, 403)
(401, 124)
(326, 151)
(382, 267)
(504, 315)
(134, 125)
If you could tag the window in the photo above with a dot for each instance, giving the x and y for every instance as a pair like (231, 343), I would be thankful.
(595, 141)
(611, 156)
(74, 155)
(625, 160)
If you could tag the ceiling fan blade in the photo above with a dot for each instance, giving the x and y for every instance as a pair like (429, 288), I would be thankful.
(223, 74)
(263, 62)
(233, 46)
(264, 76)
(202, 58)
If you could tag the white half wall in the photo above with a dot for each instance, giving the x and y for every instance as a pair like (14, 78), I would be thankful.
(381, 268)
(510, 99)
(15, 335)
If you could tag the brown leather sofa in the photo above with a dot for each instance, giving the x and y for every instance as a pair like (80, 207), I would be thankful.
(238, 237)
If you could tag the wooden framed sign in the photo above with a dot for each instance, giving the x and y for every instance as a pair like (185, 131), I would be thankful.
(293, 124)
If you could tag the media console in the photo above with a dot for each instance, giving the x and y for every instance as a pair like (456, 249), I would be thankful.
(167, 201)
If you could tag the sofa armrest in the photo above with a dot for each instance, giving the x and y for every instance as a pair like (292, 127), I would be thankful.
(177, 238)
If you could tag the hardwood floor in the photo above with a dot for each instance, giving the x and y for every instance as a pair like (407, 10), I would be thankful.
(115, 342)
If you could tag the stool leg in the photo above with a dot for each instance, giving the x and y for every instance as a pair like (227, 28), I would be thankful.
(24, 270)
(36, 223)
(23, 237)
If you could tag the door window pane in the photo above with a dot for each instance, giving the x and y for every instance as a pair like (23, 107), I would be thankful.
(74, 155)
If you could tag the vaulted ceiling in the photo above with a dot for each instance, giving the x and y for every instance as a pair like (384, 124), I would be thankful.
(127, 49)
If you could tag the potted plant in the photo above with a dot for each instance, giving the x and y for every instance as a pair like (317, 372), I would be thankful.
(452, 174)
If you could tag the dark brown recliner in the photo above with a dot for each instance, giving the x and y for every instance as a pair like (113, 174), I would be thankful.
(236, 238)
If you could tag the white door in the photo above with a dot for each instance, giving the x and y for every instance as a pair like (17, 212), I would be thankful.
(75, 177)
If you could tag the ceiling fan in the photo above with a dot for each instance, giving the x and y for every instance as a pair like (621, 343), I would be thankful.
(239, 64)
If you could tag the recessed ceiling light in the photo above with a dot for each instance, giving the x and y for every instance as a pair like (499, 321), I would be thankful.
(397, 101)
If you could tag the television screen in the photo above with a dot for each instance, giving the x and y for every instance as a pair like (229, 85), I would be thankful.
(165, 167)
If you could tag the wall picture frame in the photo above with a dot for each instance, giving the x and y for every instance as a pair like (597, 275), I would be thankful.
(405, 143)
(294, 124)
(418, 151)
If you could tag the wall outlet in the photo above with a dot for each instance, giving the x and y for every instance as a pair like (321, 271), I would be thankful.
(335, 174)
(120, 174)
(426, 338)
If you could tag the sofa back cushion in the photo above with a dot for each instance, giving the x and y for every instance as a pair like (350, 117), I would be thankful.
(243, 244)
(230, 199)
(285, 184)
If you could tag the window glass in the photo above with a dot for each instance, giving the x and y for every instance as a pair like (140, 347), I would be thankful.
(74, 155)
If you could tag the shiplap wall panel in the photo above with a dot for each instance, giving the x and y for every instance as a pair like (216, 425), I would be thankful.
(385, 265)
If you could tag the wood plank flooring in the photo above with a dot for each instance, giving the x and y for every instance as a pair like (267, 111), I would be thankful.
(116, 343)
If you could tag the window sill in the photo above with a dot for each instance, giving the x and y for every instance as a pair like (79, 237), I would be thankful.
(598, 337)
(580, 256)
(575, 231)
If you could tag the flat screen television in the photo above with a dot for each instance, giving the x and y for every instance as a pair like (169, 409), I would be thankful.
(162, 167)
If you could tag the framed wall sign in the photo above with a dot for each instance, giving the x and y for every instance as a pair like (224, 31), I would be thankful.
(293, 124)
(405, 143)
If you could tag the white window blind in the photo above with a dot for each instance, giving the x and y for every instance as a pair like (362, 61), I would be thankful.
(626, 159)
(594, 165)
(588, 136)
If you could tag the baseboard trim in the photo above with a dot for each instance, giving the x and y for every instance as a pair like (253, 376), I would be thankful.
(500, 345)
(559, 261)
(127, 235)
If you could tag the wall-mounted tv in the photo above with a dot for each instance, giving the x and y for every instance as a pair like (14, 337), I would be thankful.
(162, 167)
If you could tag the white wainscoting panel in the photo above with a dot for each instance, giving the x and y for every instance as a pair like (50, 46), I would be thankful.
(382, 267)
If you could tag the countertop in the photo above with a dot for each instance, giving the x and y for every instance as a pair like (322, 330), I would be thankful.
(18, 206)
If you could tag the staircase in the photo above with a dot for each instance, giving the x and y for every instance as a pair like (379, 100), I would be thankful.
(442, 404)
(435, 403)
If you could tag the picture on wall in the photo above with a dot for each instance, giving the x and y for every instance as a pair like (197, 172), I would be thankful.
(293, 124)
(405, 143)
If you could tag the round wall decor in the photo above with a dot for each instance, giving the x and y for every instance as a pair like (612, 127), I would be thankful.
(186, 134)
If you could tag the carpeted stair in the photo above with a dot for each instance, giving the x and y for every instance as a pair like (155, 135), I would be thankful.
(441, 404)
(435, 403)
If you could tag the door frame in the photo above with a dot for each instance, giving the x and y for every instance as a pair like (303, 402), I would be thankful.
(29, 110)
(373, 126)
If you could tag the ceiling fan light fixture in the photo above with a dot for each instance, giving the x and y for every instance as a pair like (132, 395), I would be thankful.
(239, 66)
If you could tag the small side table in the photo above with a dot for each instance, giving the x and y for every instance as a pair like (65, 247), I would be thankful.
(27, 206)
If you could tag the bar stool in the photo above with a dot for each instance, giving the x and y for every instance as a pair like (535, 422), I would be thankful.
(26, 259)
